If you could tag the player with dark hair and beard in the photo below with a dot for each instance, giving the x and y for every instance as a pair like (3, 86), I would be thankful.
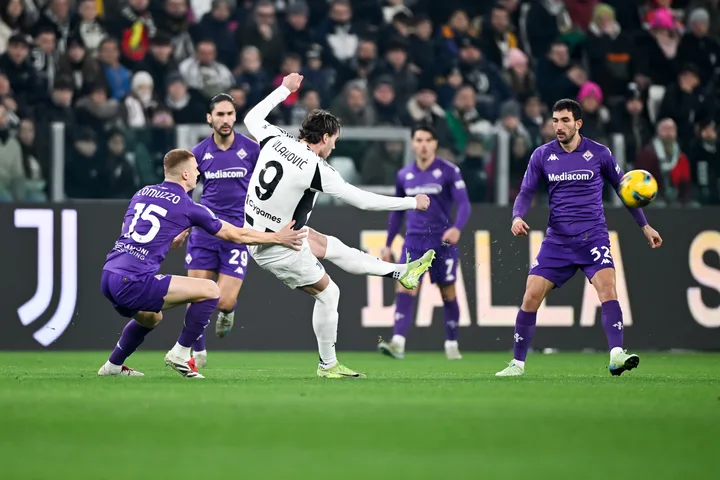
(574, 168)
(290, 174)
(226, 160)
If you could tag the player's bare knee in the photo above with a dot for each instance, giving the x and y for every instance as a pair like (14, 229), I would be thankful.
(211, 290)
(149, 319)
(607, 293)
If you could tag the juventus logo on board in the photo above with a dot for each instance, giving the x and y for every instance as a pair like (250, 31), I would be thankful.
(43, 220)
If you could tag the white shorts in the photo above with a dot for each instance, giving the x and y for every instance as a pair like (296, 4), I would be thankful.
(294, 268)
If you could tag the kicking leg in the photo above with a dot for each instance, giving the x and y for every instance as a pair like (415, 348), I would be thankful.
(358, 262)
(325, 324)
(536, 290)
(133, 335)
(612, 321)
(451, 315)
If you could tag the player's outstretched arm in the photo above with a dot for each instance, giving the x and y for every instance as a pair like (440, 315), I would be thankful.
(255, 118)
(287, 236)
(612, 172)
(334, 185)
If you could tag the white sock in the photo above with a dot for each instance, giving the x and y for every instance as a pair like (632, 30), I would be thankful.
(399, 342)
(615, 350)
(325, 323)
(111, 367)
(358, 262)
(180, 351)
(200, 352)
(519, 363)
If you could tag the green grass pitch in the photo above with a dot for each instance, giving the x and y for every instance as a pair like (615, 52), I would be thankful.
(266, 416)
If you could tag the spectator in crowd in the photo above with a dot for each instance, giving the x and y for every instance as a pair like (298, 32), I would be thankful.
(185, 105)
(457, 28)
(699, 49)
(352, 107)
(251, 76)
(713, 9)
(140, 103)
(384, 102)
(82, 163)
(117, 77)
(119, 176)
(61, 19)
(543, 23)
(533, 118)
(392, 8)
(464, 120)
(173, 19)
(382, 162)
(291, 63)
(398, 30)
(684, 102)
(474, 171)
(595, 115)
(316, 75)
(298, 37)
(364, 63)
(34, 182)
(89, 28)
(135, 26)
(159, 62)
(13, 19)
(44, 56)
(518, 74)
(485, 77)
(263, 32)
(99, 112)
(703, 155)
(204, 73)
(609, 53)
(240, 98)
(82, 69)
(556, 77)
(665, 161)
(59, 107)
(631, 119)
(338, 35)
(497, 37)
(422, 108)
(309, 101)
(12, 174)
(422, 46)
(448, 85)
(219, 26)
(659, 63)
(16, 65)
(397, 66)
(7, 100)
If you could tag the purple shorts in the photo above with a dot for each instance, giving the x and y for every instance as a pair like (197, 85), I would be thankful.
(444, 268)
(558, 263)
(132, 295)
(214, 254)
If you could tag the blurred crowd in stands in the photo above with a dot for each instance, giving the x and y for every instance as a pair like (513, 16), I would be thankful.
(122, 74)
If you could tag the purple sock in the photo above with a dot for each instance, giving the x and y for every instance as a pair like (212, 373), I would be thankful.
(451, 314)
(404, 309)
(197, 319)
(612, 322)
(132, 337)
(524, 331)
(199, 344)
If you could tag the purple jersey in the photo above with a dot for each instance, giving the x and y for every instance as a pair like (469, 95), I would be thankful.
(444, 184)
(155, 216)
(226, 174)
(575, 185)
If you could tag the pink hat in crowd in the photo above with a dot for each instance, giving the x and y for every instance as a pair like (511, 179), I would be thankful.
(516, 58)
(590, 89)
(663, 18)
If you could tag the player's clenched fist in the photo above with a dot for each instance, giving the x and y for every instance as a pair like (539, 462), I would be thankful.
(292, 82)
(519, 227)
(423, 202)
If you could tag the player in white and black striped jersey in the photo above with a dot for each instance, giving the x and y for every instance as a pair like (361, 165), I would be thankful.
(289, 174)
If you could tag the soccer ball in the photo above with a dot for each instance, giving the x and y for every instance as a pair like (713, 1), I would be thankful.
(638, 188)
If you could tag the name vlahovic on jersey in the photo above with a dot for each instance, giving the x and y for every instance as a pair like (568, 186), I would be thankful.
(236, 172)
(286, 154)
(163, 195)
(260, 212)
(571, 176)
